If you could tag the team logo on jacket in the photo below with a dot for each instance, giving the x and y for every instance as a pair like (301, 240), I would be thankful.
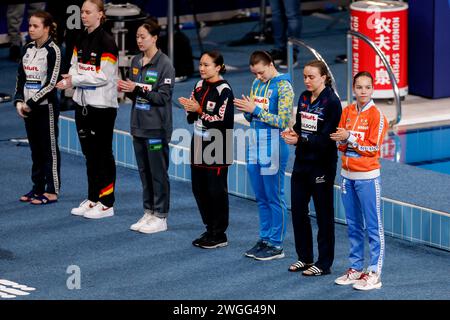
(358, 134)
(320, 179)
(210, 106)
(31, 68)
(151, 76)
(261, 102)
(309, 121)
(93, 59)
(269, 93)
(85, 68)
(135, 71)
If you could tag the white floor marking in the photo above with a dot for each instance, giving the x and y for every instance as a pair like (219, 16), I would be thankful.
(16, 285)
(10, 289)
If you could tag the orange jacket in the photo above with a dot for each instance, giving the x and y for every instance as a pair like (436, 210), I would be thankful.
(361, 151)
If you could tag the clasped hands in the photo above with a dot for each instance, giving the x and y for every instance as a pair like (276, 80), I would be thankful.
(245, 104)
(340, 135)
(190, 105)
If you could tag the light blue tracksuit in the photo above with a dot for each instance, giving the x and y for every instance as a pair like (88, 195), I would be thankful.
(267, 154)
(362, 203)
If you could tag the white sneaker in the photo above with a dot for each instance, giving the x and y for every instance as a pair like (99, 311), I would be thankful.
(349, 277)
(146, 217)
(368, 281)
(82, 208)
(154, 225)
(99, 211)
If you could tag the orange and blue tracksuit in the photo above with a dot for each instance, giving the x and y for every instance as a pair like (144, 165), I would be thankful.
(268, 154)
(361, 189)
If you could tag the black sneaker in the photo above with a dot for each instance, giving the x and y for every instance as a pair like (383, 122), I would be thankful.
(199, 239)
(260, 245)
(277, 55)
(269, 253)
(212, 242)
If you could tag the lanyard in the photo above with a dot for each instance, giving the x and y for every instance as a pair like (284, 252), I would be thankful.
(265, 90)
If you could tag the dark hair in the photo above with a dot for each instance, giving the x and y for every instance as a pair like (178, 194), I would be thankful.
(152, 26)
(101, 7)
(323, 70)
(47, 21)
(362, 74)
(260, 56)
(217, 58)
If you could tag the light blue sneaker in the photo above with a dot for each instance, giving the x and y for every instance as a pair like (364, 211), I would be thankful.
(269, 253)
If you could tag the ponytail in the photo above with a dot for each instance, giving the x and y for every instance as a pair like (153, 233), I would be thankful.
(217, 58)
(53, 31)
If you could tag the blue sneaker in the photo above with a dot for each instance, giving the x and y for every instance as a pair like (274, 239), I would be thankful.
(269, 253)
(255, 249)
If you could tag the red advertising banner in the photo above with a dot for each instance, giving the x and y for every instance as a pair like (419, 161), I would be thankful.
(386, 24)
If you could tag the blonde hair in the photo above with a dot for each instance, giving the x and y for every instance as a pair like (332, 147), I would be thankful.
(101, 8)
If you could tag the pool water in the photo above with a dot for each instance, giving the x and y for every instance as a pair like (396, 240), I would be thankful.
(424, 148)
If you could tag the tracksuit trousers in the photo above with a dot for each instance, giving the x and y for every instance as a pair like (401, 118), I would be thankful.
(316, 182)
(152, 157)
(95, 130)
(42, 132)
(267, 181)
(210, 189)
(362, 203)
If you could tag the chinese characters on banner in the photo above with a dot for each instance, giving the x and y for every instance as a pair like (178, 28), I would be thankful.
(387, 27)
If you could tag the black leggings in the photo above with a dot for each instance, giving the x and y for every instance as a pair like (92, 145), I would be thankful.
(315, 182)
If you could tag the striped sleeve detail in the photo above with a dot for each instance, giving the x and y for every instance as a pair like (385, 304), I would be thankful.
(109, 57)
(54, 78)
